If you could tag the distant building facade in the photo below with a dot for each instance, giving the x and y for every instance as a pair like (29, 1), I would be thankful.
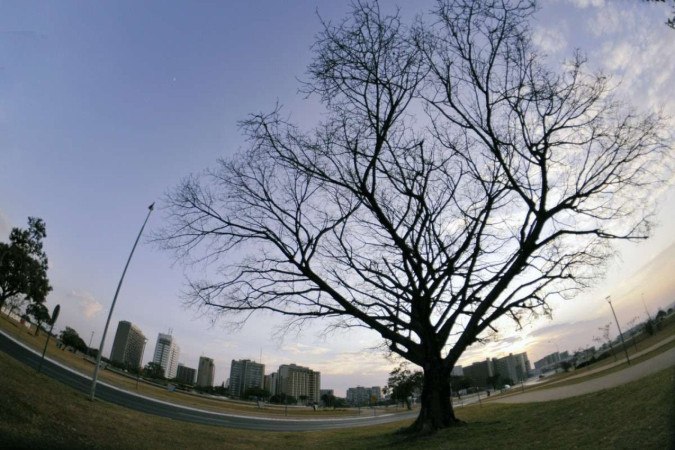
(299, 381)
(206, 370)
(185, 375)
(479, 372)
(364, 395)
(245, 374)
(271, 382)
(128, 346)
(551, 361)
(514, 367)
(166, 354)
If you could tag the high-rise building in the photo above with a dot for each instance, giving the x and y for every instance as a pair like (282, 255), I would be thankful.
(299, 381)
(185, 375)
(479, 372)
(364, 395)
(166, 354)
(514, 367)
(205, 372)
(271, 382)
(128, 346)
(244, 375)
(551, 361)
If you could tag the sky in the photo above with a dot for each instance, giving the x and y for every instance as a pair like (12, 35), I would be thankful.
(106, 106)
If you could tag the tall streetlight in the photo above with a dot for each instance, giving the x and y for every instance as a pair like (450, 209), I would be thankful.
(645, 305)
(609, 300)
(107, 323)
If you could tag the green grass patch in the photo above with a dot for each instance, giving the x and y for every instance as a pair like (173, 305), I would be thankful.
(37, 412)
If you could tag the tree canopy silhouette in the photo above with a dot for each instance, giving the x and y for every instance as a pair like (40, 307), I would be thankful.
(455, 179)
(23, 264)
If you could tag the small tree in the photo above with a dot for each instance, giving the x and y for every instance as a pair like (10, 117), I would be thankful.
(283, 399)
(69, 337)
(23, 264)
(403, 384)
(40, 313)
(565, 365)
(16, 303)
(154, 370)
(258, 393)
(607, 338)
(649, 327)
(328, 400)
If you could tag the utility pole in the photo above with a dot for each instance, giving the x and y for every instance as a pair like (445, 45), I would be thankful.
(645, 305)
(609, 300)
(92, 395)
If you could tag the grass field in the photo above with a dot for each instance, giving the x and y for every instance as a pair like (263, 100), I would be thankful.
(219, 405)
(599, 368)
(37, 412)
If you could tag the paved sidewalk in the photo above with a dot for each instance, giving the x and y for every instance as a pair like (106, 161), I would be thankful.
(657, 363)
(622, 359)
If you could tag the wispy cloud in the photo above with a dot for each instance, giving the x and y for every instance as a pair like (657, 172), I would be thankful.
(550, 41)
(88, 306)
(588, 3)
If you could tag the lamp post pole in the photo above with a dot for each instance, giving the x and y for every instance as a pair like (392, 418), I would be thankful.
(625, 350)
(107, 323)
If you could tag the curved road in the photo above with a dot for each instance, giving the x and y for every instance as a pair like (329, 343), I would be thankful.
(148, 405)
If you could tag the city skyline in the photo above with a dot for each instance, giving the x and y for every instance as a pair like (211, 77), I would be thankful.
(104, 109)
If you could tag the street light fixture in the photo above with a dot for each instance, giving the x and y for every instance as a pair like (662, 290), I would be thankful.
(625, 350)
(107, 323)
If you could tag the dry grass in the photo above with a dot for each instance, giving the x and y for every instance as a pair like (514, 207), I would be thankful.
(183, 398)
(37, 412)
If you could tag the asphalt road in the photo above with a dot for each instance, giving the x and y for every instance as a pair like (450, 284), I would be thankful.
(635, 372)
(148, 405)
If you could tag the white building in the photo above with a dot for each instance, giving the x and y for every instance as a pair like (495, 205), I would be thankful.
(166, 354)
(299, 381)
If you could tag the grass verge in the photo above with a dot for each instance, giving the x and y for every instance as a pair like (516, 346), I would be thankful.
(83, 366)
(37, 412)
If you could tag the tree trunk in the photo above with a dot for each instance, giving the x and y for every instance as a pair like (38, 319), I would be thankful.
(436, 410)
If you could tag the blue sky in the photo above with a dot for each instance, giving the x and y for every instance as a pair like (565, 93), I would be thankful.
(105, 106)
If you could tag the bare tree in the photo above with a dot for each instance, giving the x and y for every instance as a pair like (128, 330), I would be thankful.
(455, 180)
(606, 338)
(16, 303)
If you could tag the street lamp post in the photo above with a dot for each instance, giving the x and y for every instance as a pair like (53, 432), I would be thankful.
(625, 350)
(107, 323)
